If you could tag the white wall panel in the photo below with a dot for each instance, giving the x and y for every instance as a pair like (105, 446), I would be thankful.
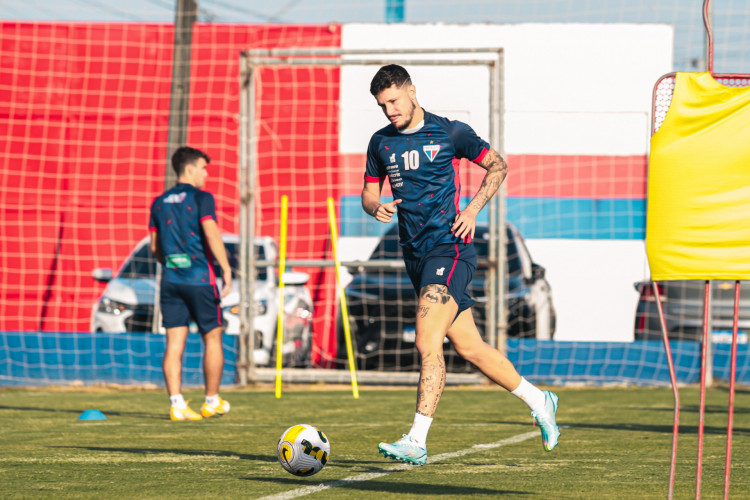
(561, 133)
(585, 70)
(436, 92)
(592, 285)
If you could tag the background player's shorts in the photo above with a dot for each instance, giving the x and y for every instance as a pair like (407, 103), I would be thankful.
(451, 264)
(180, 302)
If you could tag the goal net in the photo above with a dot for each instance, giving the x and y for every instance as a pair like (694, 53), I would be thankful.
(84, 113)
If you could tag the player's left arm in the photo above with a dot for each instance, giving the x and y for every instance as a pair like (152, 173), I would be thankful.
(466, 221)
(216, 244)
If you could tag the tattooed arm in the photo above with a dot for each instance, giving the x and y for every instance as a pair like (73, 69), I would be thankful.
(497, 169)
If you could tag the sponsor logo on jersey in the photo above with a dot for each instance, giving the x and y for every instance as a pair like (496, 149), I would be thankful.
(440, 271)
(178, 261)
(392, 159)
(431, 150)
(175, 198)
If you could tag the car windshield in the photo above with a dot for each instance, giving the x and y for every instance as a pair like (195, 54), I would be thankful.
(389, 248)
(143, 264)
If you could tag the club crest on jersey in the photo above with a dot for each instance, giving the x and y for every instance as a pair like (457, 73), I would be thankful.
(431, 150)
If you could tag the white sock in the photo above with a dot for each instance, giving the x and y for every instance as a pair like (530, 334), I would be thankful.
(420, 428)
(213, 401)
(529, 394)
(178, 401)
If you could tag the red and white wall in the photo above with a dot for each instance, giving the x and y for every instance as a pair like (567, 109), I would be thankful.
(83, 126)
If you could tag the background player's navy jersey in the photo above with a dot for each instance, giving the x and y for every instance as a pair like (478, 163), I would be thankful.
(176, 217)
(422, 168)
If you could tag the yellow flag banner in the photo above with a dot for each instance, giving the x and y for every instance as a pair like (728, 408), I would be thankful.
(698, 218)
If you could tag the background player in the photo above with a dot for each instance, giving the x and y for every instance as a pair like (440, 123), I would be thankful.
(184, 239)
(417, 152)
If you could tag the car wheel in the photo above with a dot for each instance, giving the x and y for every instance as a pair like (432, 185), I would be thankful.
(341, 349)
(284, 357)
(303, 356)
(528, 329)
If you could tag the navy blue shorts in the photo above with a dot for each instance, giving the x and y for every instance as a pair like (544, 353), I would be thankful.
(452, 265)
(180, 302)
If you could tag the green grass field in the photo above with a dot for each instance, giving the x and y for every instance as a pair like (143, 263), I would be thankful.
(615, 444)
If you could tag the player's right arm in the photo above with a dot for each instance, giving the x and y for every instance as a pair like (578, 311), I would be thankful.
(371, 204)
(374, 179)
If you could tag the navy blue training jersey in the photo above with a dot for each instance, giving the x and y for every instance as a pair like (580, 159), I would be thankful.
(176, 217)
(422, 168)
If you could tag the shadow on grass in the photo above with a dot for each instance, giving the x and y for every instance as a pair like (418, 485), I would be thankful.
(158, 416)
(362, 465)
(666, 428)
(175, 451)
(723, 386)
(422, 489)
(694, 408)
(344, 464)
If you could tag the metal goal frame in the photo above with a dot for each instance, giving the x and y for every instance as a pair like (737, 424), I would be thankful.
(251, 61)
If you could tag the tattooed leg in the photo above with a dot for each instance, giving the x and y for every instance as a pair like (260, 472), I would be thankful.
(435, 314)
(434, 294)
(431, 383)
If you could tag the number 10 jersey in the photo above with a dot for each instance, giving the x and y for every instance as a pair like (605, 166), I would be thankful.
(422, 168)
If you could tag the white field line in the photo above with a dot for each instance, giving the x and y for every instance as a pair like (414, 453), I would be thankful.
(307, 490)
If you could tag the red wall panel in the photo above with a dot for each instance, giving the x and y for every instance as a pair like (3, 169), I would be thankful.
(84, 109)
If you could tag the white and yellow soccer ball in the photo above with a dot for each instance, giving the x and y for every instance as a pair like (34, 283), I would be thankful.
(303, 450)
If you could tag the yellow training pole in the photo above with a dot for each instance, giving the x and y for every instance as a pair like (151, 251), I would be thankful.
(344, 309)
(282, 268)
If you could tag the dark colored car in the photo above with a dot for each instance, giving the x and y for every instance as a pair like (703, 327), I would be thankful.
(382, 305)
(683, 310)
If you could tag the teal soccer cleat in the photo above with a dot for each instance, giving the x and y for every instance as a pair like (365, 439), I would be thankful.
(546, 420)
(405, 450)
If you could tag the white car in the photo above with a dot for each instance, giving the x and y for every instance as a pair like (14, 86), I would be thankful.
(127, 304)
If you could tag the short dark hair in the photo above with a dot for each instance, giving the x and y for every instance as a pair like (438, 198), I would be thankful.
(186, 155)
(387, 76)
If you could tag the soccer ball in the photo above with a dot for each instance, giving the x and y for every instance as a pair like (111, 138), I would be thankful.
(303, 450)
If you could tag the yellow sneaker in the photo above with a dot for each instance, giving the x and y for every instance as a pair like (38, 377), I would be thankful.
(186, 414)
(215, 411)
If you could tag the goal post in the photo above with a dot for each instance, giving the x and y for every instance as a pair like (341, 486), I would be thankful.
(284, 93)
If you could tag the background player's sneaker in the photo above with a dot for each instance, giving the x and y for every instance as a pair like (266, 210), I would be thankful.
(215, 411)
(405, 449)
(546, 420)
(186, 414)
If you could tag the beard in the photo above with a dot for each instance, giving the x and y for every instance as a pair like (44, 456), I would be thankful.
(408, 116)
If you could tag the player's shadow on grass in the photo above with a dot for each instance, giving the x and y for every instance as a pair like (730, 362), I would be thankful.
(174, 451)
(78, 411)
(361, 466)
(422, 489)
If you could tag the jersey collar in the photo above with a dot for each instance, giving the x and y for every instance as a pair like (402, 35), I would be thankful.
(412, 130)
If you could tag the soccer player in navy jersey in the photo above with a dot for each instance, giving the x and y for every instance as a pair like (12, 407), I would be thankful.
(419, 153)
(184, 239)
